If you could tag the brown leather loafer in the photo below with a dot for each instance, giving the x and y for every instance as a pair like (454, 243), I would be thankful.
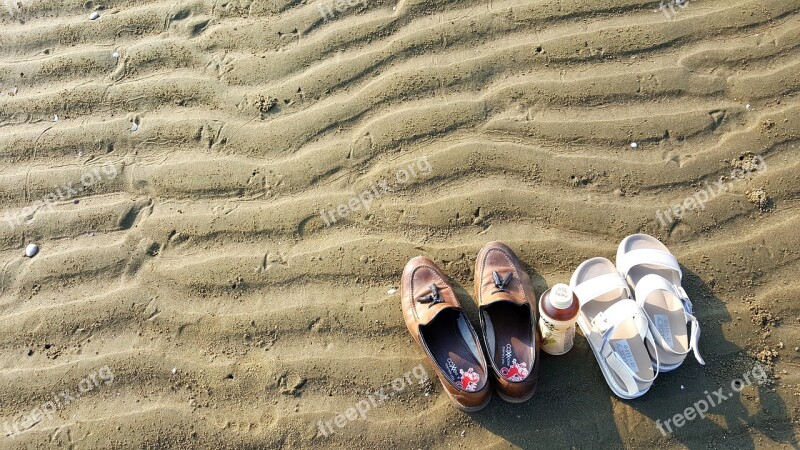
(435, 319)
(507, 307)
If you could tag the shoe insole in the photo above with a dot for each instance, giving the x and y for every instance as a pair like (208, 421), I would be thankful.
(664, 310)
(446, 338)
(625, 340)
(509, 330)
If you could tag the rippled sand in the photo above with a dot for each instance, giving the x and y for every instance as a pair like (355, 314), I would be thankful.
(185, 150)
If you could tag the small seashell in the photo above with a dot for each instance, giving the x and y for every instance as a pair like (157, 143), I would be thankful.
(634, 145)
(115, 54)
(748, 107)
(174, 370)
(94, 15)
(80, 153)
(391, 291)
(55, 117)
(31, 250)
(134, 126)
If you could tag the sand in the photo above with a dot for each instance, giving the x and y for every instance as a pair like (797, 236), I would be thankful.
(171, 160)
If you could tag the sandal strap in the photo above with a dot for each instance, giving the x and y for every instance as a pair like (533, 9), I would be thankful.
(617, 364)
(597, 286)
(694, 333)
(615, 314)
(651, 283)
(623, 372)
(649, 256)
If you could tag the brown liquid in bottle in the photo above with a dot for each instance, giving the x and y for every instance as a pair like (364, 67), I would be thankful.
(558, 307)
(562, 315)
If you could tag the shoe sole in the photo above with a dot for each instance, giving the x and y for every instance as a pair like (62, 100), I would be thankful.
(518, 399)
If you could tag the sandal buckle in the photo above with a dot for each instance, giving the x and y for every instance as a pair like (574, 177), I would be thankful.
(601, 322)
(687, 304)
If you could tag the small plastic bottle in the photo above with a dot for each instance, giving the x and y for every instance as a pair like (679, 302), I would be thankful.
(558, 312)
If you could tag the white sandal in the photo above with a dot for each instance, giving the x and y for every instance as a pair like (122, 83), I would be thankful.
(616, 328)
(654, 273)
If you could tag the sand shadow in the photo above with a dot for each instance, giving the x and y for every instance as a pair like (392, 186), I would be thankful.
(572, 407)
(731, 421)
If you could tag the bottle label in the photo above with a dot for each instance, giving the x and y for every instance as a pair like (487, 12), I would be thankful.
(557, 336)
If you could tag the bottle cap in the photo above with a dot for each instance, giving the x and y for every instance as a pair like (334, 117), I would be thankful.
(561, 296)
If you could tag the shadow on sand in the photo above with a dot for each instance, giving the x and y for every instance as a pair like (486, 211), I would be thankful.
(574, 408)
